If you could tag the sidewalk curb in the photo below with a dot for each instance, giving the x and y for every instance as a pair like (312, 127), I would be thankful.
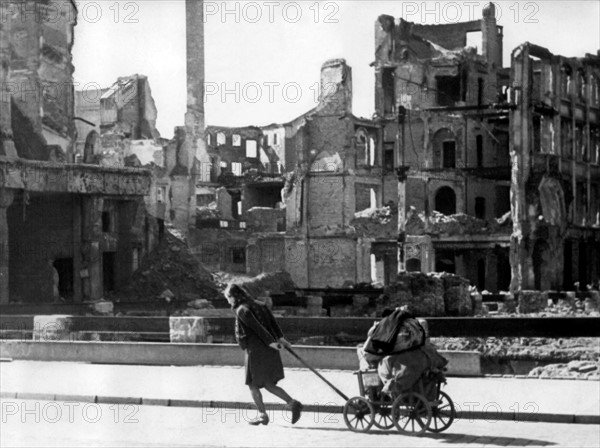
(315, 408)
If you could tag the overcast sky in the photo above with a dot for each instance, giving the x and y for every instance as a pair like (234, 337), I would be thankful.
(271, 52)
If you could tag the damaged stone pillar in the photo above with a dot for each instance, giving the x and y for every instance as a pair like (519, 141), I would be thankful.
(91, 272)
(6, 198)
(7, 146)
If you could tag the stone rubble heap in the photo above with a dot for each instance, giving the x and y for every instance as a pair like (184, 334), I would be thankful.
(575, 369)
(436, 294)
(171, 272)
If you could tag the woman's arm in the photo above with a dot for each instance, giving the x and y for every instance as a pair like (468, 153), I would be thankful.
(249, 320)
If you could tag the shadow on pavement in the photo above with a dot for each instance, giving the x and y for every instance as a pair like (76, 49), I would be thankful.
(456, 438)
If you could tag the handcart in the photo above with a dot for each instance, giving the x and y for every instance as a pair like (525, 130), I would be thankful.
(423, 407)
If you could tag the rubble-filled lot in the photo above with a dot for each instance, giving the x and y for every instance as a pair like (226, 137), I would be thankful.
(171, 272)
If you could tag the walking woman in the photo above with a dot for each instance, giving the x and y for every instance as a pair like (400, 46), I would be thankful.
(259, 335)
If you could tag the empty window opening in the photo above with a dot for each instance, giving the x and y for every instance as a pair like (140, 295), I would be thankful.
(481, 274)
(479, 145)
(221, 139)
(106, 222)
(238, 255)
(581, 84)
(448, 90)
(236, 168)
(413, 265)
(388, 157)
(445, 261)
(377, 269)
(445, 201)
(566, 79)
(275, 139)
(480, 208)
(108, 271)
(371, 151)
(160, 195)
(502, 200)
(502, 149)
(503, 271)
(161, 228)
(449, 154)
(251, 151)
(537, 124)
(236, 140)
(475, 39)
(373, 198)
(389, 91)
(64, 268)
(479, 91)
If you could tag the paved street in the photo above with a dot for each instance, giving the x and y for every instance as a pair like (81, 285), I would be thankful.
(41, 423)
(204, 383)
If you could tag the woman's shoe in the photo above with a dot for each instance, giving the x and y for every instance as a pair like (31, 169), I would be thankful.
(296, 410)
(262, 419)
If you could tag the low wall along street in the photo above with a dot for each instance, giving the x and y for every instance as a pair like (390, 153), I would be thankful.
(331, 358)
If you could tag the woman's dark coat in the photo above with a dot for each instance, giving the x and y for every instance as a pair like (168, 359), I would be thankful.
(255, 329)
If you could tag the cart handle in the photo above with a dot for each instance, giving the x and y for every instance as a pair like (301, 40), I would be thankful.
(295, 355)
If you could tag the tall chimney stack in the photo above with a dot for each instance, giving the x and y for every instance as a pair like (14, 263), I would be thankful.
(191, 149)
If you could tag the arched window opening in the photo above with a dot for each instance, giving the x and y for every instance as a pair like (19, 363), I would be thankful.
(445, 201)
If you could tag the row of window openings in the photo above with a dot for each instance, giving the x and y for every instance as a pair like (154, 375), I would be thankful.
(445, 202)
(566, 139)
(581, 86)
(236, 139)
(251, 148)
(448, 154)
(449, 89)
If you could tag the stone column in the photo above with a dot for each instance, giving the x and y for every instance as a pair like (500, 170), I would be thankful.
(93, 288)
(6, 198)
(7, 146)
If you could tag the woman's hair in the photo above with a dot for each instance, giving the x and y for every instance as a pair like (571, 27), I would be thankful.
(236, 295)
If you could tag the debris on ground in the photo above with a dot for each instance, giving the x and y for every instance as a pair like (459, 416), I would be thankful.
(171, 272)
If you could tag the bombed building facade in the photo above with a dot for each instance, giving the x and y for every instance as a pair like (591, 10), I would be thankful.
(555, 149)
(444, 112)
(68, 230)
(458, 171)
(497, 167)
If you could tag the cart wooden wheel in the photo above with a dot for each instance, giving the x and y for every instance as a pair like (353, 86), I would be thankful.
(411, 413)
(383, 413)
(442, 415)
(359, 414)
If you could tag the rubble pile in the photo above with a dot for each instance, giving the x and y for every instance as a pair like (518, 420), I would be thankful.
(171, 272)
(458, 224)
(526, 349)
(380, 221)
(266, 284)
(575, 369)
(208, 212)
(436, 294)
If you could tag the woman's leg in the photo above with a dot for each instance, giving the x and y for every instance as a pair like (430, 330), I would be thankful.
(278, 392)
(258, 400)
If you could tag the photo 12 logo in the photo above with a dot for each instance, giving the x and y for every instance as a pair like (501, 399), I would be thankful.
(455, 12)
(270, 12)
(57, 11)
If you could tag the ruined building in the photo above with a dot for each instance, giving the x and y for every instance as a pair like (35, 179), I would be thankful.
(444, 117)
(68, 230)
(497, 167)
(555, 149)
(339, 174)
(117, 127)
